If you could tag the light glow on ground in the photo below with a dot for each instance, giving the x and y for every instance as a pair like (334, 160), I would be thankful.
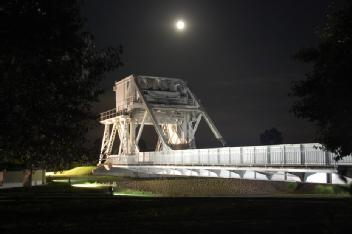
(77, 171)
(60, 181)
(89, 185)
(133, 195)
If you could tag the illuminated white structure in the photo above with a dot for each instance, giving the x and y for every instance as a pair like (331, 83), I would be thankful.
(173, 110)
(167, 104)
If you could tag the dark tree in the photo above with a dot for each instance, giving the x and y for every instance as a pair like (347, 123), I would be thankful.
(325, 96)
(271, 137)
(50, 70)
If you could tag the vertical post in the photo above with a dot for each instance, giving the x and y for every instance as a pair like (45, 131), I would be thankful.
(254, 155)
(132, 137)
(284, 155)
(208, 157)
(268, 158)
(198, 157)
(230, 156)
(241, 155)
(218, 153)
(105, 136)
(327, 158)
(104, 142)
(122, 139)
(302, 154)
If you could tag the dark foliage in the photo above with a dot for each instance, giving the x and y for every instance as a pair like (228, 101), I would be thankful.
(271, 137)
(50, 70)
(325, 96)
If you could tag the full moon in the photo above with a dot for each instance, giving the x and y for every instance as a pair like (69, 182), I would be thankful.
(180, 25)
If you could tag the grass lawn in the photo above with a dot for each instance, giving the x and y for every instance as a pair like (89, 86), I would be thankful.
(77, 171)
(59, 208)
(89, 205)
(192, 186)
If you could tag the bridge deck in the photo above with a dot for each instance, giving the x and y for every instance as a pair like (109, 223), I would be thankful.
(295, 162)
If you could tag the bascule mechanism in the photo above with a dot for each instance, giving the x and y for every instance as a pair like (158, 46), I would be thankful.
(165, 103)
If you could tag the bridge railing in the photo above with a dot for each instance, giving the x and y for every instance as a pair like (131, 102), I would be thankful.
(273, 155)
(108, 114)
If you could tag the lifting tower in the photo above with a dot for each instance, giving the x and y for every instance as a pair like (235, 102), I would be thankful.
(166, 103)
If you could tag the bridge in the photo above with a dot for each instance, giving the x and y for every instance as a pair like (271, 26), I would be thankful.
(175, 113)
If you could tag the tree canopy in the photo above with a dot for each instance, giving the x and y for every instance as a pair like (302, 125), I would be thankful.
(271, 137)
(50, 71)
(325, 96)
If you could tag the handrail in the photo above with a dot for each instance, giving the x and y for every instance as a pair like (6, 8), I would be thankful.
(300, 155)
(108, 114)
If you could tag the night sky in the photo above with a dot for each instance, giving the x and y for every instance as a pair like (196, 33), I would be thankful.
(235, 55)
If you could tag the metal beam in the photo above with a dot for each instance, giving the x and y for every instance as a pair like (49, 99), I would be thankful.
(152, 116)
(209, 121)
(141, 127)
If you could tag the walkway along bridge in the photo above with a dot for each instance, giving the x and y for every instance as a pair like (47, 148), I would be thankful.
(173, 110)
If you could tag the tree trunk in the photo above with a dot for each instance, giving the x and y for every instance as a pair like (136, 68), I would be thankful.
(27, 178)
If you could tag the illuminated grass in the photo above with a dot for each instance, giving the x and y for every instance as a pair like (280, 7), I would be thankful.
(90, 185)
(78, 183)
(77, 171)
(60, 181)
(203, 187)
(135, 193)
(339, 190)
(291, 186)
(320, 189)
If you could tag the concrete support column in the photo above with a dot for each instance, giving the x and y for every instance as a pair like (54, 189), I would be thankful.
(329, 178)
(239, 172)
(300, 175)
(268, 175)
(217, 172)
(306, 175)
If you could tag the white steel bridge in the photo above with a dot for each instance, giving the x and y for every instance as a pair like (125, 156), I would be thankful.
(175, 112)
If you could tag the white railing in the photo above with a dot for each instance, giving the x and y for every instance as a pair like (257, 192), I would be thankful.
(273, 155)
(108, 114)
